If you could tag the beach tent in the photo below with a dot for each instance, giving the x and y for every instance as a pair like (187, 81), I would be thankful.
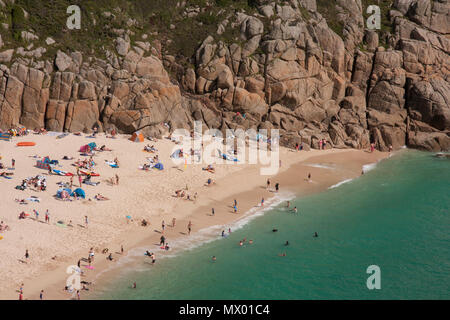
(85, 148)
(79, 192)
(159, 166)
(176, 154)
(44, 163)
(63, 193)
(137, 137)
(5, 136)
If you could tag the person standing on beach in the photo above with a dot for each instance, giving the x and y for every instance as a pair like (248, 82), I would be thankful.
(13, 163)
(36, 213)
(91, 254)
(309, 177)
(189, 227)
(121, 249)
(47, 216)
(268, 184)
(262, 202)
(117, 179)
(235, 208)
(320, 144)
(277, 186)
(20, 296)
(163, 226)
(41, 295)
(173, 222)
(80, 179)
(27, 255)
(235, 202)
(162, 241)
(212, 211)
(86, 221)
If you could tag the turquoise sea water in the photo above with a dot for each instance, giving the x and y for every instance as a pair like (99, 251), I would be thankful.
(396, 216)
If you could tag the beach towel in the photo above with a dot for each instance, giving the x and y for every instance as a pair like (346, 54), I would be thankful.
(62, 136)
(226, 157)
(5, 136)
(91, 183)
(33, 199)
(112, 164)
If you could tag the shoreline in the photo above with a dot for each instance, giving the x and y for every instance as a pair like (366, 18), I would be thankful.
(248, 197)
(250, 188)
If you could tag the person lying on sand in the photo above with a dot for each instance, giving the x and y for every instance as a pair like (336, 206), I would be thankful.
(180, 193)
(22, 201)
(104, 148)
(210, 168)
(99, 197)
(144, 223)
(150, 148)
(4, 227)
(209, 182)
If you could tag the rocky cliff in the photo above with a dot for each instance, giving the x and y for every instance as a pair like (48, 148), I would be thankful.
(309, 68)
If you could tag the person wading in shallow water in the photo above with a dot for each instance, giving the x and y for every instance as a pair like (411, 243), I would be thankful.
(189, 227)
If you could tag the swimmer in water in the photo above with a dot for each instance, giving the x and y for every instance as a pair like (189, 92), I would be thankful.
(282, 254)
(241, 243)
(288, 204)
(295, 209)
(309, 177)
(287, 243)
(223, 233)
(250, 241)
(213, 258)
(274, 230)
(315, 235)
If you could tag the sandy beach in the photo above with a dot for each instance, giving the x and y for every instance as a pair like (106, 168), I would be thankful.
(148, 195)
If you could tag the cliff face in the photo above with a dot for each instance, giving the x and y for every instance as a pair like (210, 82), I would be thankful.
(311, 69)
